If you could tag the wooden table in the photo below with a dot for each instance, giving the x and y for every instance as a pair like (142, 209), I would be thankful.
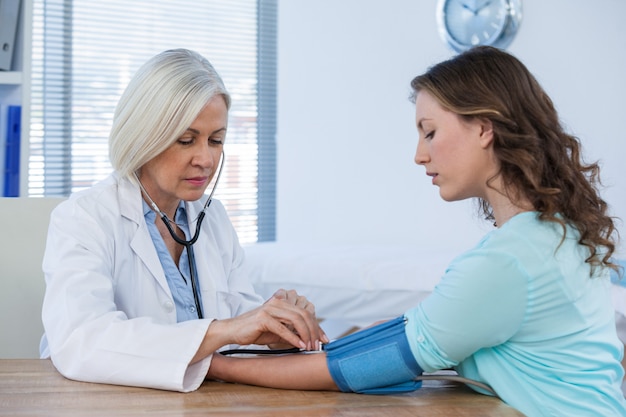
(32, 387)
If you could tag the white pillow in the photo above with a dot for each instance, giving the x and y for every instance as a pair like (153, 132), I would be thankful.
(355, 284)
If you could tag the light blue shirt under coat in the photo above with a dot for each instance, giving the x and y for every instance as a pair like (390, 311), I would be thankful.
(178, 277)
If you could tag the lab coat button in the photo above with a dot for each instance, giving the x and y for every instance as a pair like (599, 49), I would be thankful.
(168, 306)
(420, 339)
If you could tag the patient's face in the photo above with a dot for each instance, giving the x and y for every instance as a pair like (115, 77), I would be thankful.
(456, 153)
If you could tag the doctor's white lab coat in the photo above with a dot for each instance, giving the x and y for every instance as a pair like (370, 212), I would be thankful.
(108, 312)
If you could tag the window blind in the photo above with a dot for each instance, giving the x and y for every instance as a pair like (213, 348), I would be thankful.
(86, 51)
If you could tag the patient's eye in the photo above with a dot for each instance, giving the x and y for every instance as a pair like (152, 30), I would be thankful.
(430, 134)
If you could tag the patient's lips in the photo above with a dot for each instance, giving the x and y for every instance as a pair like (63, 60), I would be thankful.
(433, 175)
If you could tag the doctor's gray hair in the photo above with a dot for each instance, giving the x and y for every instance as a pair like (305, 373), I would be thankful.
(161, 101)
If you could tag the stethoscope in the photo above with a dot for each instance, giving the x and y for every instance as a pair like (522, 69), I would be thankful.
(188, 244)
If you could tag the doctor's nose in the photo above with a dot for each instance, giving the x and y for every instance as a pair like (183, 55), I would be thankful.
(206, 157)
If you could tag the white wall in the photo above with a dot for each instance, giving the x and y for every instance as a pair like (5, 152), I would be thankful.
(346, 135)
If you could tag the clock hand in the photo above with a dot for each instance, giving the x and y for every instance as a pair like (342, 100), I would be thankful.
(466, 7)
(471, 9)
(482, 6)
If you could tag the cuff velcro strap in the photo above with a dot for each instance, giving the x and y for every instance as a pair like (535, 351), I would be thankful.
(377, 360)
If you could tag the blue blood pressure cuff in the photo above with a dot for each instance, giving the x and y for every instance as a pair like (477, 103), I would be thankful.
(377, 360)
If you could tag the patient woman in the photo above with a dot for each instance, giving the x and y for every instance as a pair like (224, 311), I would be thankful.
(527, 311)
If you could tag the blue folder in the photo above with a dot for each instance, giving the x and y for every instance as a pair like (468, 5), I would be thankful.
(12, 152)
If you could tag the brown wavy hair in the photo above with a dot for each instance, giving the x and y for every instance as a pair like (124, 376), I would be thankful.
(538, 159)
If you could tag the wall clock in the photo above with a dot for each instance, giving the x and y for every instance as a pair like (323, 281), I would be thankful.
(466, 23)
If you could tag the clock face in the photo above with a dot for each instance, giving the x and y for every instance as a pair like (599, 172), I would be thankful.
(467, 23)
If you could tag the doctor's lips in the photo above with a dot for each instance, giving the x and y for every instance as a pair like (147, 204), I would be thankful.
(198, 181)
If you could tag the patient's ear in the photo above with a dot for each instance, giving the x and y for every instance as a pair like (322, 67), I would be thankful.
(486, 132)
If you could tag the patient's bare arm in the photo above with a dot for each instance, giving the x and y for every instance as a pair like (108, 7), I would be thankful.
(299, 371)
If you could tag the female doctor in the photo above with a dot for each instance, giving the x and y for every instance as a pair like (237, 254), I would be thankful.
(126, 300)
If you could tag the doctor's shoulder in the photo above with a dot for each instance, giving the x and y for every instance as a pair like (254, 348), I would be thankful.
(99, 200)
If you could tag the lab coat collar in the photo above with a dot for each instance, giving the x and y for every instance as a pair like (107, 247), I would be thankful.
(129, 199)
(131, 208)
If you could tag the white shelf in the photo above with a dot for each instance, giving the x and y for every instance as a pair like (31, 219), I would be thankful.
(15, 87)
(11, 77)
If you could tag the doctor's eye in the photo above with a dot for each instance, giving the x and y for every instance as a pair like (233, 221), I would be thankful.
(430, 135)
(186, 140)
(217, 139)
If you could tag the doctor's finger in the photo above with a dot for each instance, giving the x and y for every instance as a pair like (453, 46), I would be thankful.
(278, 329)
(292, 297)
(302, 321)
(314, 322)
(303, 302)
(280, 294)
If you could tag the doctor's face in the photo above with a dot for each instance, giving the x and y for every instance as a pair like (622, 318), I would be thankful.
(184, 170)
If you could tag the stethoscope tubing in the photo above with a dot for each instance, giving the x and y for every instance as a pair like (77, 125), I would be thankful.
(188, 244)
(191, 259)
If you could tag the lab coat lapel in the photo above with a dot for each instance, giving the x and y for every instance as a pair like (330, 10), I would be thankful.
(141, 243)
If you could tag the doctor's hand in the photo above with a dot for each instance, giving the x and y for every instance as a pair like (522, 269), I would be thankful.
(292, 297)
(283, 319)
